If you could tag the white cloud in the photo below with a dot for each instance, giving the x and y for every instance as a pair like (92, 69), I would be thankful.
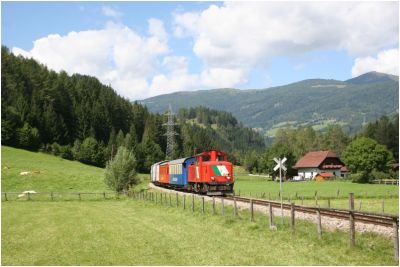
(244, 35)
(230, 40)
(223, 77)
(115, 54)
(386, 61)
(111, 12)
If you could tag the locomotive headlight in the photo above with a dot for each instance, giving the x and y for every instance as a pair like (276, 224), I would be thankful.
(228, 177)
(212, 178)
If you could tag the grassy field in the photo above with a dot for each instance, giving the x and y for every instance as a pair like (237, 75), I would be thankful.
(134, 232)
(95, 231)
(56, 174)
(370, 195)
(247, 184)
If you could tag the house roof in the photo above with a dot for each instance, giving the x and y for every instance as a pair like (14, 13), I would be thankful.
(326, 174)
(314, 159)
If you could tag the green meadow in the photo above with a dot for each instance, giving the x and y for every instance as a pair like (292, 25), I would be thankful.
(126, 231)
(136, 232)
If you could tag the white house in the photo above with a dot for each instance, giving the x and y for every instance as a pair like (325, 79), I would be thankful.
(317, 162)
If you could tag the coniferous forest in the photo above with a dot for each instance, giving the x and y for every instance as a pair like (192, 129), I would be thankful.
(77, 117)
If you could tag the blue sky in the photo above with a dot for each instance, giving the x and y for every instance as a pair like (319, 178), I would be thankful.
(148, 48)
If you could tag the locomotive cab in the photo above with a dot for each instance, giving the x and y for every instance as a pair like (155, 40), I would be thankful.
(211, 173)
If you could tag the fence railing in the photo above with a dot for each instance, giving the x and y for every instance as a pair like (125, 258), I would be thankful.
(53, 196)
(178, 201)
(386, 181)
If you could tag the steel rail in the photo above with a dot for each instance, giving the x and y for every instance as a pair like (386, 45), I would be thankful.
(364, 217)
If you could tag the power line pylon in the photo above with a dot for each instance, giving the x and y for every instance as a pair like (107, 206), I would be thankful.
(170, 133)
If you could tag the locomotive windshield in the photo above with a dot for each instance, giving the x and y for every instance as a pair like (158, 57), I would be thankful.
(206, 158)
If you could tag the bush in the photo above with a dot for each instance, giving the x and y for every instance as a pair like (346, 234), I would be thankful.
(120, 173)
(66, 152)
(55, 149)
(361, 177)
(28, 137)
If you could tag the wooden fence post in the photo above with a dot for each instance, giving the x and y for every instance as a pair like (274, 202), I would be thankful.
(156, 197)
(396, 239)
(302, 200)
(383, 205)
(177, 200)
(145, 197)
(213, 204)
(251, 211)
(271, 217)
(161, 198)
(351, 220)
(192, 202)
(104, 194)
(29, 196)
(170, 200)
(292, 218)
(234, 208)
(222, 208)
(319, 224)
(184, 202)
(202, 205)
(239, 192)
(329, 203)
(79, 195)
(360, 204)
(5, 196)
(269, 195)
(51, 194)
(337, 193)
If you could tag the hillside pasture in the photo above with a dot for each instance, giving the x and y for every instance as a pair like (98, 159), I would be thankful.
(48, 173)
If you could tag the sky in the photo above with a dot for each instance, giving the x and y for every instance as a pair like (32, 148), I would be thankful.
(144, 49)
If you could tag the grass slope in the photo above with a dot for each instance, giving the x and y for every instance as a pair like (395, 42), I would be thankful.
(134, 232)
(56, 174)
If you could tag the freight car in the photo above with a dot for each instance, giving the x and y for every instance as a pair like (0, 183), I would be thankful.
(207, 173)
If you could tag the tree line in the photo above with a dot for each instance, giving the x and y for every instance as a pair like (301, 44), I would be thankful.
(368, 154)
(78, 118)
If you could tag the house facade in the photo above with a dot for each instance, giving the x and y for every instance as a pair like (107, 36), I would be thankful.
(317, 162)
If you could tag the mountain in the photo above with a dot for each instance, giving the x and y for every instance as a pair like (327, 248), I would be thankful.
(373, 77)
(314, 102)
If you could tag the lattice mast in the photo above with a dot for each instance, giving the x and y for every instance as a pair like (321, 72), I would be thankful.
(170, 133)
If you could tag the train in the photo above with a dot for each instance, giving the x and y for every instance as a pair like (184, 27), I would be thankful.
(208, 173)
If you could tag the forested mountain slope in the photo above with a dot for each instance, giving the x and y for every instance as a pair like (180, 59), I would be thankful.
(314, 102)
(79, 118)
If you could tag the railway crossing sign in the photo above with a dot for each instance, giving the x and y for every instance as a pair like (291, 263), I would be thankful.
(279, 164)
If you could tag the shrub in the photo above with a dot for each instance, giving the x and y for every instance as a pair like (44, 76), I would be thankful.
(66, 152)
(120, 173)
(361, 177)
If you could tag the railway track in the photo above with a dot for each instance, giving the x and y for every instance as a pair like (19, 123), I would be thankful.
(387, 220)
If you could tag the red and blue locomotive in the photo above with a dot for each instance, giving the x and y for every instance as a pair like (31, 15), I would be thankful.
(209, 172)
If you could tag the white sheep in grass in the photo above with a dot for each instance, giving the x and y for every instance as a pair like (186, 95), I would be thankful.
(25, 173)
(26, 192)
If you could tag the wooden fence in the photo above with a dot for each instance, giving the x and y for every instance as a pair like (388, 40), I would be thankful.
(161, 199)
